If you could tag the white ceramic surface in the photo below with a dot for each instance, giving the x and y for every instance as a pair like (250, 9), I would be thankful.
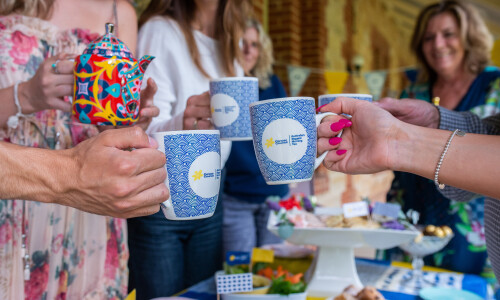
(335, 267)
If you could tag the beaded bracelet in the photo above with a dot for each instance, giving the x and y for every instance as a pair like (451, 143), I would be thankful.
(438, 167)
(13, 121)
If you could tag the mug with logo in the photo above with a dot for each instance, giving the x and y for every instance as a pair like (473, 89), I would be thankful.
(284, 138)
(193, 172)
(229, 100)
(325, 99)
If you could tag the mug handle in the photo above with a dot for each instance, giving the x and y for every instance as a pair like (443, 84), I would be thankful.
(320, 117)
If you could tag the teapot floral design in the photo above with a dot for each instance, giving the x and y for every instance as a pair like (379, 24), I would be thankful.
(108, 82)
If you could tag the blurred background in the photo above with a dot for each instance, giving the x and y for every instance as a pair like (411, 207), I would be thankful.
(348, 46)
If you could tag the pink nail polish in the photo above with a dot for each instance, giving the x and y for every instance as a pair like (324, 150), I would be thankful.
(337, 126)
(317, 110)
(348, 124)
(340, 152)
(335, 140)
(343, 121)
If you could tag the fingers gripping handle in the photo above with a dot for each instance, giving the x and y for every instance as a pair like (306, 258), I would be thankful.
(319, 118)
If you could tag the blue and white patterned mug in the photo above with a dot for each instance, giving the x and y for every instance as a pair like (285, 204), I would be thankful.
(229, 100)
(325, 99)
(193, 172)
(284, 138)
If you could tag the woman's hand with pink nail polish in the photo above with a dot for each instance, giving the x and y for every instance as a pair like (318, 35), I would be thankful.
(325, 131)
(367, 140)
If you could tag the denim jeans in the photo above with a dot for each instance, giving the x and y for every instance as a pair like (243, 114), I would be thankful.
(168, 256)
(245, 225)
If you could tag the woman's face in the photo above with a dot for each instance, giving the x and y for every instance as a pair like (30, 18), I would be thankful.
(251, 49)
(442, 46)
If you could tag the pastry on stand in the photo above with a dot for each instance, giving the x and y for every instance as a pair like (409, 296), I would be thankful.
(336, 268)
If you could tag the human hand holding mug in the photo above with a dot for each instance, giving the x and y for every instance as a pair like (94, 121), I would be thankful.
(197, 113)
(193, 167)
(284, 136)
(230, 98)
(367, 146)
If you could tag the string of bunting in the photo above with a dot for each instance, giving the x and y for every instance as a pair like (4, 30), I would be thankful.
(336, 80)
(375, 79)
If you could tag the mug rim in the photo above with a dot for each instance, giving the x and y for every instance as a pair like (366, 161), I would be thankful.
(283, 99)
(249, 78)
(176, 132)
(349, 95)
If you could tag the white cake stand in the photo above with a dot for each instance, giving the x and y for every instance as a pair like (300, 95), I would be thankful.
(336, 268)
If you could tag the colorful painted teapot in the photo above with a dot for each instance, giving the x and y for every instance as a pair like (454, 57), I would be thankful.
(108, 82)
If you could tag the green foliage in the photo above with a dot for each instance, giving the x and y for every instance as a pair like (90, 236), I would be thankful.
(259, 266)
(236, 269)
(463, 229)
(473, 248)
(283, 287)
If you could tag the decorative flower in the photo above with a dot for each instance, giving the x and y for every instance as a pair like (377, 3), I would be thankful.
(5, 233)
(85, 35)
(39, 278)
(57, 243)
(112, 257)
(63, 285)
(476, 236)
(22, 46)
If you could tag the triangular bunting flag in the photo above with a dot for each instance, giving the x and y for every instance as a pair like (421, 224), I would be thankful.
(411, 74)
(375, 81)
(297, 76)
(335, 81)
(495, 53)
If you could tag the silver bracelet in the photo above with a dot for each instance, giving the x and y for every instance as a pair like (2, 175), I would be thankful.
(438, 167)
(13, 121)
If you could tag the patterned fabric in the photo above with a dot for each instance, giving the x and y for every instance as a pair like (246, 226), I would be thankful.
(469, 122)
(108, 82)
(467, 251)
(74, 255)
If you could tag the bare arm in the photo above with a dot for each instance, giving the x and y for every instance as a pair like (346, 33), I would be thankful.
(377, 141)
(127, 24)
(472, 162)
(45, 90)
(96, 176)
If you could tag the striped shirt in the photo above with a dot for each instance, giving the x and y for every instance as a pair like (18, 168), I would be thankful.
(469, 122)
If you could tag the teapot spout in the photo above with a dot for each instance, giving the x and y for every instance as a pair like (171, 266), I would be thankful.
(144, 62)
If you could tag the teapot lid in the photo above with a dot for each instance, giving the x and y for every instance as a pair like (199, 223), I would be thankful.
(109, 45)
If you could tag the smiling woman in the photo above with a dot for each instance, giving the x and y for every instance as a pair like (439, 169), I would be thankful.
(452, 46)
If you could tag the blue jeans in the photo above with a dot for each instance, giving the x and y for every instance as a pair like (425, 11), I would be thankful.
(245, 225)
(169, 256)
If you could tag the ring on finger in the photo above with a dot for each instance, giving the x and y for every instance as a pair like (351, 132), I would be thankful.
(195, 124)
(54, 67)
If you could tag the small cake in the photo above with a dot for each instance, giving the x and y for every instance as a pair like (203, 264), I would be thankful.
(369, 293)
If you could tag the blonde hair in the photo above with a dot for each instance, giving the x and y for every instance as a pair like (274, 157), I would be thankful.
(475, 36)
(32, 8)
(229, 27)
(263, 69)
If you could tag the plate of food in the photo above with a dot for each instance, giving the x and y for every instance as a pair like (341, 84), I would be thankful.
(299, 222)
(271, 284)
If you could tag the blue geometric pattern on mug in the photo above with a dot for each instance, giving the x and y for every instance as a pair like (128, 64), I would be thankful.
(300, 110)
(243, 92)
(327, 100)
(181, 151)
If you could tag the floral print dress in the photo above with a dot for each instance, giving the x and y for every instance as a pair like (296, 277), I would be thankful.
(73, 254)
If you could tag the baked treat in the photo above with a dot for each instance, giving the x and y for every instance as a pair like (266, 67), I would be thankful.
(333, 221)
(349, 293)
(354, 293)
(369, 293)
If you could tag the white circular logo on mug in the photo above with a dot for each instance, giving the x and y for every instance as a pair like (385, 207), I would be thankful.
(284, 141)
(204, 175)
(225, 110)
